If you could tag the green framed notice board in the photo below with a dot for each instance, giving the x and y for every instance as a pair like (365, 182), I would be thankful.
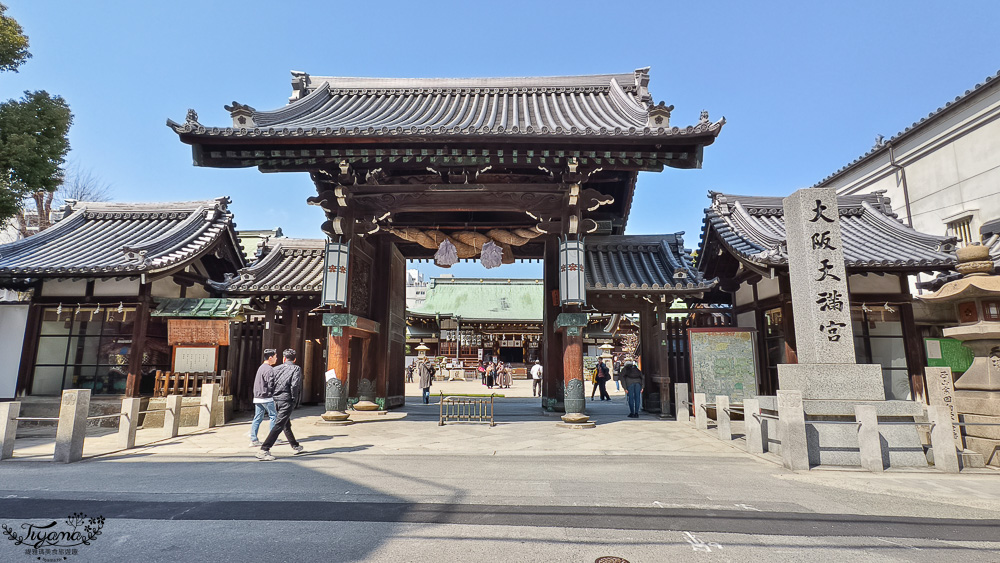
(724, 362)
(948, 353)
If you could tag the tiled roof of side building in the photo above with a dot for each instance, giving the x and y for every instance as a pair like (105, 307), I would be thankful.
(658, 263)
(753, 228)
(484, 299)
(286, 265)
(595, 105)
(120, 239)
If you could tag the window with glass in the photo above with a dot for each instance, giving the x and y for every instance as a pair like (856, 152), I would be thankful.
(878, 339)
(88, 348)
(774, 342)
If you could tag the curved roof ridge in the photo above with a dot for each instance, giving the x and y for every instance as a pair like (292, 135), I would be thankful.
(293, 110)
(190, 225)
(389, 83)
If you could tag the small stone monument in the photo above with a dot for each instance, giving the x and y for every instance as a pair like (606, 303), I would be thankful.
(830, 381)
(976, 298)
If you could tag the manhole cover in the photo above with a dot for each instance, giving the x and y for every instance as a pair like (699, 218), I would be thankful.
(610, 559)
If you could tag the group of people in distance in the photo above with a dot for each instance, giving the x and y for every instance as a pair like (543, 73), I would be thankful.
(627, 376)
(495, 374)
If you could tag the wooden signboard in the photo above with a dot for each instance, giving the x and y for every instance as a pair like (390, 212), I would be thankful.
(195, 359)
(723, 362)
(197, 331)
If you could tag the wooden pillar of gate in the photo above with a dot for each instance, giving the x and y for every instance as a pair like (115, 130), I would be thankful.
(138, 347)
(571, 326)
(551, 350)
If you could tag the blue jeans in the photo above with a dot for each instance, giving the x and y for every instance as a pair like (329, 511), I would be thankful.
(260, 409)
(427, 395)
(634, 398)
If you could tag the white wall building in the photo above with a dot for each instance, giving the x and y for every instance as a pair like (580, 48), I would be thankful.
(943, 172)
(416, 289)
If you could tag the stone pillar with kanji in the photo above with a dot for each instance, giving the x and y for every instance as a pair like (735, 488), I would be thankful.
(831, 383)
(823, 334)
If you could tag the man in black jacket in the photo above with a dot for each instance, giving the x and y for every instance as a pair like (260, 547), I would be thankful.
(287, 386)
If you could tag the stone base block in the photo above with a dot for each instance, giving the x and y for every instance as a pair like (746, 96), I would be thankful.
(988, 432)
(837, 444)
(335, 416)
(983, 403)
(365, 406)
(574, 418)
(859, 382)
(334, 422)
(576, 425)
(969, 458)
(989, 449)
(846, 408)
(769, 403)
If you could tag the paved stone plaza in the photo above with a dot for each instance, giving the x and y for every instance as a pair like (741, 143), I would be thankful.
(400, 487)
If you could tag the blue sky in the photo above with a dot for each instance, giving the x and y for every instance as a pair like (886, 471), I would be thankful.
(804, 86)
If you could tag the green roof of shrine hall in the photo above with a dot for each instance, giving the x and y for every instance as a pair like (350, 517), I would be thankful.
(484, 299)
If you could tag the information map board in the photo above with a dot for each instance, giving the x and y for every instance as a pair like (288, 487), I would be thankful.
(724, 362)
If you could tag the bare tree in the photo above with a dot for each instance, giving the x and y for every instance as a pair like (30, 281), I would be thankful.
(81, 184)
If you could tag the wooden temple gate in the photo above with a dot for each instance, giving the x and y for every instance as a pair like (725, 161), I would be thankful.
(496, 169)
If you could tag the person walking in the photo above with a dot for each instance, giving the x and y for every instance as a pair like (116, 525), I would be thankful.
(287, 387)
(536, 379)
(263, 388)
(603, 376)
(632, 379)
(593, 380)
(409, 372)
(426, 377)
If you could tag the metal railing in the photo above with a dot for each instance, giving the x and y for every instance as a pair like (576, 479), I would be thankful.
(458, 408)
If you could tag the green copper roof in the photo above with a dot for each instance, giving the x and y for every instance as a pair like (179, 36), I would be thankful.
(204, 307)
(486, 299)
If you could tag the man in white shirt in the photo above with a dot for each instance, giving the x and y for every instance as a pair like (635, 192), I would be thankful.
(536, 379)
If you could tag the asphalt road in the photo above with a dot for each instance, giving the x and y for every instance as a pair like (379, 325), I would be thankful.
(356, 506)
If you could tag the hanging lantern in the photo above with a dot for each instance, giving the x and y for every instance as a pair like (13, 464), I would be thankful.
(446, 254)
(335, 265)
(572, 281)
(491, 256)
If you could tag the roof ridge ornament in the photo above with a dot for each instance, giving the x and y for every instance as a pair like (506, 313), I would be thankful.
(300, 85)
(242, 115)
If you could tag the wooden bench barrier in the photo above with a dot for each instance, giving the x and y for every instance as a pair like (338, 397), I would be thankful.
(188, 384)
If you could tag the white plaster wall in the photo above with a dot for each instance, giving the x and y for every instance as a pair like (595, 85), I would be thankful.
(873, 283)
(64, 288)
(768, 287)
(165, 287)
(747, 320)
(115, 288)
(196, 291)
(13, 319)
(744, 294)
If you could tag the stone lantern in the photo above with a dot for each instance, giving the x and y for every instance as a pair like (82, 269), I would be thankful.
(976, 298)
(606, 349)
(422, 350)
